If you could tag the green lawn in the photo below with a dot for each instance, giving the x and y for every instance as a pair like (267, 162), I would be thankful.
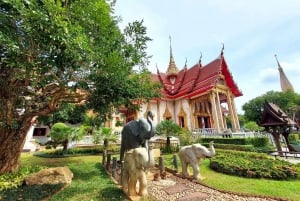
(91, 181)
(280, 189)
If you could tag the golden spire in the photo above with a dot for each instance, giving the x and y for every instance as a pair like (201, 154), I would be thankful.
(200, 59)
(172, 69)
(284, 82)
(222, 50)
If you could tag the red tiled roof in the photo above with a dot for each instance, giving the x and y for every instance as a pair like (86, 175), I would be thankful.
(197, 80)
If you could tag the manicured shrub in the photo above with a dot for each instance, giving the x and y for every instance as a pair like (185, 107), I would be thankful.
(232, 147)
(98, 149)
(14, 180)
(236, 141)
(254, 144)
(294, 138)
(253, 165)
(259, 141)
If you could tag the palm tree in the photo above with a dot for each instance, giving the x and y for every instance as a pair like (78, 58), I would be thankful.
(168, 128)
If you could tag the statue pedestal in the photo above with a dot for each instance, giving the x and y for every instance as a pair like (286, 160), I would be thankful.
(150, 176)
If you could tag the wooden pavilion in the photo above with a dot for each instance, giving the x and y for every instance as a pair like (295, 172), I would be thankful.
(277, 123)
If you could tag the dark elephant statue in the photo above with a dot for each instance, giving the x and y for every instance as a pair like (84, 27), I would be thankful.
(136, 133)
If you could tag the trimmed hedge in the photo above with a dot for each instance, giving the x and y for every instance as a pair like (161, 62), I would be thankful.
(236, 141)
(57, 153)
(256, 144)
(253, 165)
(232, 147)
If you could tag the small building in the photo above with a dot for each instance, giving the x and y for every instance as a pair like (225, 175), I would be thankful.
(276, 122)
(198, 98)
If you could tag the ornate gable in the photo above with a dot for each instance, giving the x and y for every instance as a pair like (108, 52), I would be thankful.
(197, 80)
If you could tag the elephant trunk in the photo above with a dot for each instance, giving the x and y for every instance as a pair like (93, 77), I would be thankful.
(147, 149)
(151, 161)
(149, 120)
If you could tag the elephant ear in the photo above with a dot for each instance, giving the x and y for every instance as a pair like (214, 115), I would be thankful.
(134, 127)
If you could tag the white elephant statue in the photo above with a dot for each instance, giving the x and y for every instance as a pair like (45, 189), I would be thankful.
(136, 163)
(192, 155)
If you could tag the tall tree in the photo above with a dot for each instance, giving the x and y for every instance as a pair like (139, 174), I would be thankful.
(56, 51)
(285, 100)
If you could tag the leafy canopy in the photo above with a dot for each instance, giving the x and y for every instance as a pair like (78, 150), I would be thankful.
(69, 51)
(66, 51)
(287, 101)
(168, 128)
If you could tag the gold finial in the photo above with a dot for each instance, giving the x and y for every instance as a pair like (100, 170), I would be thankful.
(172, 69)
(171, 53)
(277, 61)
(200, 58)
(222, 50)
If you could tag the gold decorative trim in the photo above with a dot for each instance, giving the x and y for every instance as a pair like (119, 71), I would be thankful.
(167, 113)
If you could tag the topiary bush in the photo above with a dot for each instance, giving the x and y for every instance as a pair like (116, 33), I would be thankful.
(253, 165)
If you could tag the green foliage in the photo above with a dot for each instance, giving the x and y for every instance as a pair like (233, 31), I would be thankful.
(90, 120)
(294, 137)
(259, 141)
(77, 151)
(186, 137)
(242, 120)
(285, 100)
(90, 182)
(68, 112)
(14, 180)
(253, 165)
(104, 133)
(170, 149)
(256, 144)
(60, 132)
(33, 192)
(236, 141)
(55, 52)
(252, 126)
(168, 128)
(85, 130)
(247, 147)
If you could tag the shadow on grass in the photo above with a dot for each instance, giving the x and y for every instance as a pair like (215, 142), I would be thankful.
(31, 193)
(110, 193)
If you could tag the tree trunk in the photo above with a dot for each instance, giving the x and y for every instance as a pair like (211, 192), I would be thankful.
(12, 142)
(65, 146)
(168, 144)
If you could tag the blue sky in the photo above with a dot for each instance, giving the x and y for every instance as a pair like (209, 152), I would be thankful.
(252, 32)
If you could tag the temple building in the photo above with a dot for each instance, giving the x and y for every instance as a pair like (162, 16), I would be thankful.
(199, 98)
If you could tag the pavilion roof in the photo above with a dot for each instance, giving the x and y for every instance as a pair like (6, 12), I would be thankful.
(272, 115)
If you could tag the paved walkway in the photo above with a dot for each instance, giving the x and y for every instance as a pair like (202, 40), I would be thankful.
(175, 188)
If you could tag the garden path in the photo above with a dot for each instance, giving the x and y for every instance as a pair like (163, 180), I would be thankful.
(175, 188)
